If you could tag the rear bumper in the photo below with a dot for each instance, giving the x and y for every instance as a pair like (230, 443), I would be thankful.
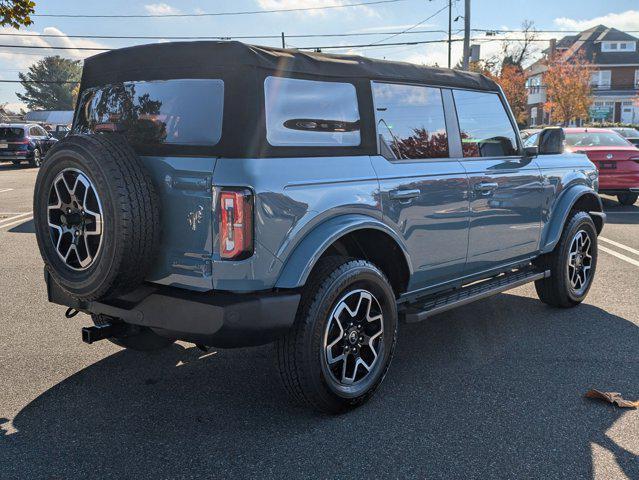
(218, 319)
(12, 156)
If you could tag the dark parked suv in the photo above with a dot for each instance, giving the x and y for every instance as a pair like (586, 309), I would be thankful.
(232, 195)
(24, 142)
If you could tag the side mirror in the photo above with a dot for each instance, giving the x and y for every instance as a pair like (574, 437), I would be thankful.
(551, 141)
(530, 152)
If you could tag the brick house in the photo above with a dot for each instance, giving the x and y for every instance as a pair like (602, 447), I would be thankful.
(613, 56)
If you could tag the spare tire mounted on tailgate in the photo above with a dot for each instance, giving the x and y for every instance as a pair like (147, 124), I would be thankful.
(96, 216)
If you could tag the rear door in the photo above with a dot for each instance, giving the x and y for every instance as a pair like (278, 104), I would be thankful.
(41, 138)
(505, 186)
(424, 192)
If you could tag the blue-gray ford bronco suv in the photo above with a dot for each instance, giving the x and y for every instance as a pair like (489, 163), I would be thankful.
(231, 195)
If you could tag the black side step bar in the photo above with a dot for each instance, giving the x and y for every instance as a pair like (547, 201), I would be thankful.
(429, 306)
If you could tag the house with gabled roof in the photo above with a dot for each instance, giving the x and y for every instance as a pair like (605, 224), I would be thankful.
(612, 56)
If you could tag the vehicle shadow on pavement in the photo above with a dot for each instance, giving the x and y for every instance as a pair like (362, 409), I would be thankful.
(492, 390)
(11, 166)
(26, 227)
(618, 214)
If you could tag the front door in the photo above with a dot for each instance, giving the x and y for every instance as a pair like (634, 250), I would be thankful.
(505, 186)
(424, 192)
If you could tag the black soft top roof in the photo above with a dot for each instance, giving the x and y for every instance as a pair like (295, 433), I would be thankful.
(206, 59)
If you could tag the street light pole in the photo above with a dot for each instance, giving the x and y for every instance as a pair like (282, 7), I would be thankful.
(450, 28)
(465, 60)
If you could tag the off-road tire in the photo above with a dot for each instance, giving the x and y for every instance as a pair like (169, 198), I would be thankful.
(556, 289)
(131, 218)
(627, 198)
(298, 354)
(133, 337)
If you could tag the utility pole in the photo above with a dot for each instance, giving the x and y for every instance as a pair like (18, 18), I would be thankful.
(466, 34)
(450, 28)
(283, 41)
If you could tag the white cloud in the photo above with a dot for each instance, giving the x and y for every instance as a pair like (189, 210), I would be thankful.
(22, 58)
(14, 60)
(622, 21)
(161, 9)
(288, 4)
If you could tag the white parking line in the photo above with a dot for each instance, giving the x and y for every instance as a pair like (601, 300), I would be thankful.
(6, 190)
(23, 217)
(632, 261)
(619, 245)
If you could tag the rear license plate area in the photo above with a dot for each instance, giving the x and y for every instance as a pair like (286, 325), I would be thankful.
(608, 165)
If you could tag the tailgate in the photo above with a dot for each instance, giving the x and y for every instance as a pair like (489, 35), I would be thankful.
(184, 187)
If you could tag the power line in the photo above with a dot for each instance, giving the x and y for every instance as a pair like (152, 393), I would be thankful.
(324, 47)
(56, 82)
(496, 30)
(218, 37)
(215, 14)
(49, 47)
(413, 27)
(239, 37)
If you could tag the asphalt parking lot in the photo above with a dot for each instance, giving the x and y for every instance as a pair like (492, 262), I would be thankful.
(491, 390)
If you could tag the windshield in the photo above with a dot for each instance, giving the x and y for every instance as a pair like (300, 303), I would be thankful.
(11, 133)
(178, 112)
(595, 139)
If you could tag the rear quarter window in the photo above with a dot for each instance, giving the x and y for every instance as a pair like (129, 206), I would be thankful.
(311, 113)
(168, 112)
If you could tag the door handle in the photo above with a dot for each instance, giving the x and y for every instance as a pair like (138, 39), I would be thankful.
(486, 187)
(404, 194)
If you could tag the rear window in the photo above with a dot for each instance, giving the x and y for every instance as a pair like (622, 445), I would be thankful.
(11, 133)
(595, 139)
(173, 112)
(628, 132)
(311, 113)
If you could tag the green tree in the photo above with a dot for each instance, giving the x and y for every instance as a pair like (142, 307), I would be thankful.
(15, 13)
(50, 83)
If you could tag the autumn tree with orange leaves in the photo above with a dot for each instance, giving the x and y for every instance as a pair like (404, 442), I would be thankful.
(512, 81)
(567, 88)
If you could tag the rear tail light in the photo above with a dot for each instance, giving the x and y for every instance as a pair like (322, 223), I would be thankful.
(236, 224)
(20, 142)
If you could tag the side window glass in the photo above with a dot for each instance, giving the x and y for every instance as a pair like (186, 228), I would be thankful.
(310, 113)
(410, 120)
(33, 131)
(531, 141)
(484, 125)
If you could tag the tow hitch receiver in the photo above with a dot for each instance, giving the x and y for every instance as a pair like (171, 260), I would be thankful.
(100, 332)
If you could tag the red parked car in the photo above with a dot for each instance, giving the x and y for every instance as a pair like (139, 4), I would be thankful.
(615, 157)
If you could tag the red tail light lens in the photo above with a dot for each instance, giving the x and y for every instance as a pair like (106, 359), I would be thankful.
(236, 224)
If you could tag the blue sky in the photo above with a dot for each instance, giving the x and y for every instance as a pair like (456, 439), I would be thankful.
(498, 14)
